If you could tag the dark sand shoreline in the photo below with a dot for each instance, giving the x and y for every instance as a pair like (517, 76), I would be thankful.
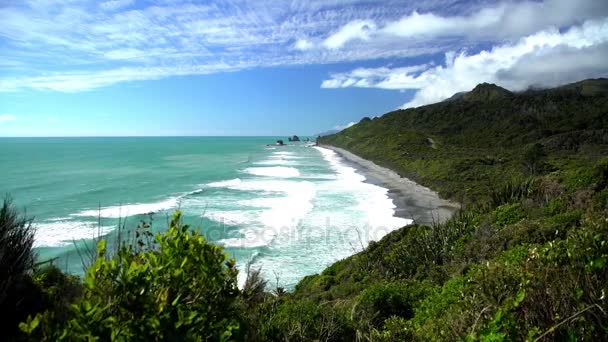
(412, 200)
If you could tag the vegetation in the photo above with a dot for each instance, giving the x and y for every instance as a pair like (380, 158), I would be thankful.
(526, 258)
(16, 260)
(463, 148)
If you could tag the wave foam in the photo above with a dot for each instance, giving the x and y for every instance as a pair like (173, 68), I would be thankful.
(372, 200)
(252, 238)
(225, 184)
(276, 161)
(275, 171)
(64, 232)
(234, 217)
(271, 216)
(285, 155)
(125, 210)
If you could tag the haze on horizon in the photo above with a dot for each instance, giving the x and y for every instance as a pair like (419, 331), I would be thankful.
(125, 67)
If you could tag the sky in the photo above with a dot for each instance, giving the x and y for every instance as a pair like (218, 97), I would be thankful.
(270, 67)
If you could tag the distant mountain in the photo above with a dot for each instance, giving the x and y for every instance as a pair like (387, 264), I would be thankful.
(456, 96)
(489, 91)
(482, 92)
(591, 87)
(486, 92)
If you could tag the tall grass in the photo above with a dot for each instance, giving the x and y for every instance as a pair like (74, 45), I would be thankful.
(18, 294)
(16, 241)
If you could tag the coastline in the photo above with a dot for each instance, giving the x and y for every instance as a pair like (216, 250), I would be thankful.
(412, 200)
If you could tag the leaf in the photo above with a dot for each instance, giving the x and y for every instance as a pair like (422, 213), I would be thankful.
(31, 324)
(176, 300)
(521, 295)
(184, 262)
(101, 248)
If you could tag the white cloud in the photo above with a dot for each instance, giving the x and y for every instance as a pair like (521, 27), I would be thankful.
(77, 45)
(115, 4)
(370, 77)
(341, 127)
(303, 45)
(358, 29)
(509, 19)
(7, 117)
(547, 58)
(76, 82)
(52, 119)
(66, 45)
(505, 20)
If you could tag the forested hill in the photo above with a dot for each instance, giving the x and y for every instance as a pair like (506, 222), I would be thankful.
(465, 144)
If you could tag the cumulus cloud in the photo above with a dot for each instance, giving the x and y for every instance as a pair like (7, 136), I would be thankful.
(505, 20)
(512, 19)
(7, 117)
(546, 58)
(359, 29)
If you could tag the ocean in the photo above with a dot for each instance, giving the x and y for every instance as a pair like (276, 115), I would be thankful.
(289, 210)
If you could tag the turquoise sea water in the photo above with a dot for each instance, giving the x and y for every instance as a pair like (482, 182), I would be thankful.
(289, 210)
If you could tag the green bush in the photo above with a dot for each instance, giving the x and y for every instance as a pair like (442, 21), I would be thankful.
(304, 320)
(381, 301)
(184, 289)
(508, 214)
(555, 206)
(568, 219)
(394, 329)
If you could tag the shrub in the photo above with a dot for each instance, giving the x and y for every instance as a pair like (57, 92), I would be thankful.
(513, 190)
(508, 214)
(185, 289)
(381, 301)
(394, 329)
(304, 320)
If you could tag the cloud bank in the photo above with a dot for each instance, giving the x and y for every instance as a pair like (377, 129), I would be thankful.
(546, 58)
(504, 20)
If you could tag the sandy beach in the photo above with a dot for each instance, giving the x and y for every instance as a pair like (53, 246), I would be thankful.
(412, 200)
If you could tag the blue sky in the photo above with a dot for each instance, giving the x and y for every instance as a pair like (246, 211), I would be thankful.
(265, 67)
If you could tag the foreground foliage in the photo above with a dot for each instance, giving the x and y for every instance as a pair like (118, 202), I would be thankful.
(180, 289)
(16, 260)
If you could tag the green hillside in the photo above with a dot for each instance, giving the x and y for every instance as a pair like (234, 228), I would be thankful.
(464, 146)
